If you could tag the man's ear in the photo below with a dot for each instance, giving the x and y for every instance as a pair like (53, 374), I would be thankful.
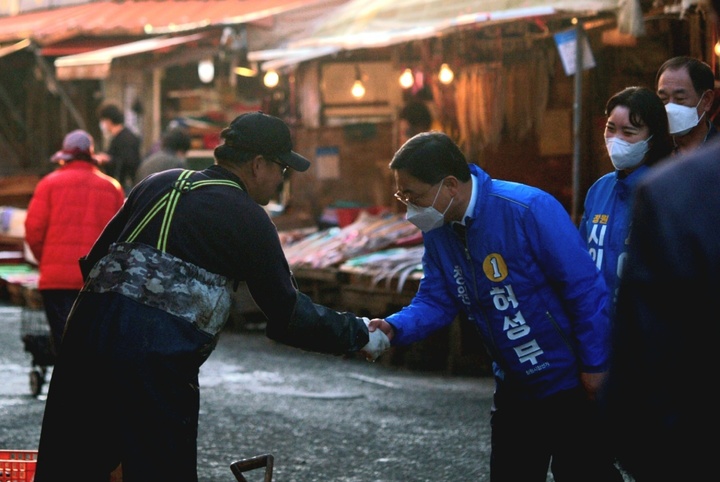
(255, 164)
(709, 99)
(452, 184)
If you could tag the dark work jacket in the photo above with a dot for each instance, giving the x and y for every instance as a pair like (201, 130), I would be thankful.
(124, 152)
(148, 317)
(660, 395)
(220, 229)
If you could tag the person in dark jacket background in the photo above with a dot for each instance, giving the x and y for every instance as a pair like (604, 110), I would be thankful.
(172, 155)
(660, 395)
(509, 257)
(67, 212)
(158, 291)
(123, 154)
(415, 117)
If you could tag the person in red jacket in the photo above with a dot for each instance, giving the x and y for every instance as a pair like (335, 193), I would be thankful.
(67, 212)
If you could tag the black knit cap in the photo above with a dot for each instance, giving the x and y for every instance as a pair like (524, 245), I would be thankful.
(264, 134)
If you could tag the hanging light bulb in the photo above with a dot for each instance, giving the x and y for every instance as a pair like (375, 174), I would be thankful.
(206, 71)
(407, 79)
(717, 48)
(245, 71)
(446, 75)
(358, 89)
(271, 79)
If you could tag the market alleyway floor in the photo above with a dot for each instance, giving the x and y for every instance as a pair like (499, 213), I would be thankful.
(323, 418)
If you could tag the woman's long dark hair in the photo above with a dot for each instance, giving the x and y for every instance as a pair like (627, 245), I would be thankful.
(646, 109)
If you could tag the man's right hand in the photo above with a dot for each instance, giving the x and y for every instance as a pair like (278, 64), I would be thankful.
(383, 325)
(102, 157)
(378, 342)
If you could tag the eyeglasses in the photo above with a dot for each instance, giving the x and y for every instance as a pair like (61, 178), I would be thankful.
(412, 200)
(284, 167)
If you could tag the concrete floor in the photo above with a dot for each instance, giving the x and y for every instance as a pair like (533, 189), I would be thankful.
(323, 418)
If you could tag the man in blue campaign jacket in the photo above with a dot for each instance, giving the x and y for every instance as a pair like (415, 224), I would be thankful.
(510, 258)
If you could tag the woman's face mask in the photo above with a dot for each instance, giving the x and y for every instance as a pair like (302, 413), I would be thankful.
(625, 155)
(429, 218)
(682, 118)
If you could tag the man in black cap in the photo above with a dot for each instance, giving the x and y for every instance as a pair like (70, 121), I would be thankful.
(157, 293)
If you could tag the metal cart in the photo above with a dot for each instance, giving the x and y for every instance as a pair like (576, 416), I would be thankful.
(37, 340)
(257, 462)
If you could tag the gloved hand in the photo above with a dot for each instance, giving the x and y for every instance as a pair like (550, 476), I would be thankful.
(377, 345)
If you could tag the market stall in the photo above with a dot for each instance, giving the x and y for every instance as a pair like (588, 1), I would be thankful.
(373, 268)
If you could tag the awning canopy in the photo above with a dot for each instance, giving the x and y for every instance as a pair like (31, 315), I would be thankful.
(96, 64)
(16, 47)
(133, 18)
(380, 23)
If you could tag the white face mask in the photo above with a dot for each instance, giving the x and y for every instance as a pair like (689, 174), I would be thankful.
(429, 218)
(625, 155)
(682, 118)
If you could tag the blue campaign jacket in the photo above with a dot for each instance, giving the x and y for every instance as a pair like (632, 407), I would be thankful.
(605, 223)
(526, 281)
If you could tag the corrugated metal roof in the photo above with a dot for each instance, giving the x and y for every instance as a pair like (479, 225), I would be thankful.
(291, 20)
(139, 18)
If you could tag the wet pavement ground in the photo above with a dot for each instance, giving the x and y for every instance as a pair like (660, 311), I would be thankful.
(323, 418)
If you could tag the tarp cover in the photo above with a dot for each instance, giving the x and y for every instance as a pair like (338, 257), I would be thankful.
(376, 23)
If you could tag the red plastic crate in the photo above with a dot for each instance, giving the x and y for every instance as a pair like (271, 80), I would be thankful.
(17, 465)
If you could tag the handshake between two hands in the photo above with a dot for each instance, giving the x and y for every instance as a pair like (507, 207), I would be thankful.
(379, 341)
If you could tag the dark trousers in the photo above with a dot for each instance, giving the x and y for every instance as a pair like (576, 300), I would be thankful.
(562, 432)
(57, 304)
(126, 386)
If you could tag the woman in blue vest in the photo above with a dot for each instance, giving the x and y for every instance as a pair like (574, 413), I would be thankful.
(637, 137)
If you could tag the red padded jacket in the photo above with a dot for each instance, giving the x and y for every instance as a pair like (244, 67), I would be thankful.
(68, 210)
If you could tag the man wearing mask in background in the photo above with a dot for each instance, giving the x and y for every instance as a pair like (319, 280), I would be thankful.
(123, 154)
(686, 87)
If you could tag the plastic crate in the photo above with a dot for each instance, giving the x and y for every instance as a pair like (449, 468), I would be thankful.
(17, 465)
